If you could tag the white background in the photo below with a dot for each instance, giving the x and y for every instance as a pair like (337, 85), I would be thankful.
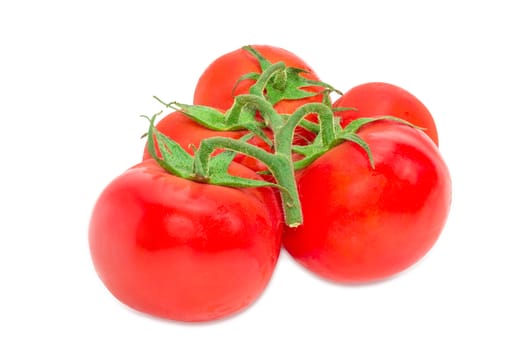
(75, 76)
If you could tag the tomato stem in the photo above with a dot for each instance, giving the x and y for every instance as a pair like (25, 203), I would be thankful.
(325, 116)
(286, 83)
(259, 88)
(280, 165)
(275, 83)
(269, 114)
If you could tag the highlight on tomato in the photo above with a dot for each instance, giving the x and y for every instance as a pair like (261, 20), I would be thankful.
(184, 250)
(365, 222)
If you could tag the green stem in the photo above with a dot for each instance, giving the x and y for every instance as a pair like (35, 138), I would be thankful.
(203, 167)
(310, 126)
(272, 118)
(258, 89)
(260, 85)
(280, 165)
(263, 62)
(284, 136)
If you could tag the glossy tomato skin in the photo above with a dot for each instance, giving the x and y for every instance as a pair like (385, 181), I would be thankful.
(215, 86)
(182, 250)
(363, 224)
(377, 99)
(188, 134)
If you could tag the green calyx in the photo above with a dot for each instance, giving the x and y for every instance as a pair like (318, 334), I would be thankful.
(175, 160)
(288, 84)
(211, 160)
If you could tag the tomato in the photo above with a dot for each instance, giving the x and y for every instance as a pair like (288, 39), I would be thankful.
(382, 99)
(363, 224)
(183, 250)
(215, 86)
(189, 133)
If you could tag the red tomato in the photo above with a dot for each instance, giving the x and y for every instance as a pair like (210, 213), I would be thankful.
(215, 85)
(363, 224)
(183, 250)
(381, 99)
(188, 134)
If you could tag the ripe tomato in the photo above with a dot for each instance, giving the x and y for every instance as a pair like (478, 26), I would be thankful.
(183, 250)
(381, 99)
(215, 86)
(363, 224)
(189, 133)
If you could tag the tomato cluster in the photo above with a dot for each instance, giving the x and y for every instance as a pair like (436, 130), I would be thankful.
(355, 190)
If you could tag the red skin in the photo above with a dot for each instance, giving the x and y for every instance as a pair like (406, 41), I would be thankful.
(215, 85)
(363, 224)
(183, 250)
(382, 99)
